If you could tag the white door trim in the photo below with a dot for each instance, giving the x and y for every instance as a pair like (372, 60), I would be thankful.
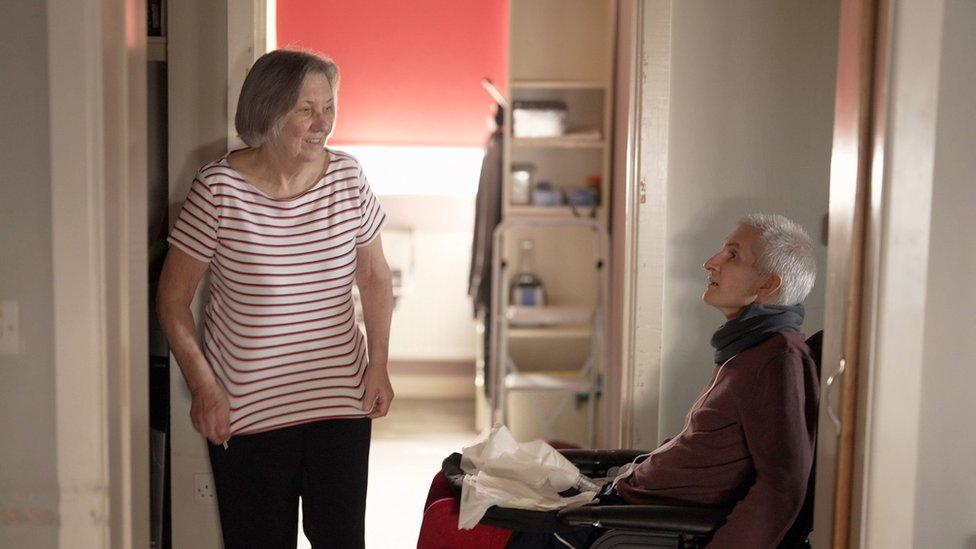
(96, 65)
(618, 400)
(250, 31)
(650, 213)
(901, 216)
(78, 242)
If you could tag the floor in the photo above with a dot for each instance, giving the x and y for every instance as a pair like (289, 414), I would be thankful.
(407, 449)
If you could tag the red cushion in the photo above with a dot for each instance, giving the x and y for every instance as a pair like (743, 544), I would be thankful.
(439, 529)
(439, 488)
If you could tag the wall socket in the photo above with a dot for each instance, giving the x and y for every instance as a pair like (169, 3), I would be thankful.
(203, 488)
(9, 327)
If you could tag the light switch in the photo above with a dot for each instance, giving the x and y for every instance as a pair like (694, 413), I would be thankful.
(9, 327)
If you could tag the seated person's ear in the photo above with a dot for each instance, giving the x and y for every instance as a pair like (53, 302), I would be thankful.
(769, 287)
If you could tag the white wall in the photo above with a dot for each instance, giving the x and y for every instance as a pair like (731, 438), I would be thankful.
(432, 336)
(433, 320)
(751, 121)
(28, 471)
(427, 237)
(945, 498)
(430, 218)
(197, 60)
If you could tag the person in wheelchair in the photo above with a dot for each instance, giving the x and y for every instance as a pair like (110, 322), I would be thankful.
(748, 440)
(737, 474)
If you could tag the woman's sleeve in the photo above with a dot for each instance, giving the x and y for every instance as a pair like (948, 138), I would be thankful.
(371, 216)
(195, 231)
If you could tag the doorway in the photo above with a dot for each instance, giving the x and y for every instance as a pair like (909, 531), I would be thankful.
(736, 116)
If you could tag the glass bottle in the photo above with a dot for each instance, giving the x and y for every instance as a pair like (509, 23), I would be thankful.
(527, 288)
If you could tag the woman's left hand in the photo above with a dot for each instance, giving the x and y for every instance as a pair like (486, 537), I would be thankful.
(379, 391)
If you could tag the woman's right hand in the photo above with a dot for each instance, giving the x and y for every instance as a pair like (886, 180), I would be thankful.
(210, 412)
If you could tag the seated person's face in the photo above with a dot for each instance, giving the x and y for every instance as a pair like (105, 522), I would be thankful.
(733, 283)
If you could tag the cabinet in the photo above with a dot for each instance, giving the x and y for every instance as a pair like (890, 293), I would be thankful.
(561, 51)
(560, 72)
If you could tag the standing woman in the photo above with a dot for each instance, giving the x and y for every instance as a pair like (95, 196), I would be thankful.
(284, 384)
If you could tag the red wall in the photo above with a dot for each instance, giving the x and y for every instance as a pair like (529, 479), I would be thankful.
(411, 69)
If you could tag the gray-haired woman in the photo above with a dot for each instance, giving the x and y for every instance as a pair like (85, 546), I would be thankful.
(284, 384)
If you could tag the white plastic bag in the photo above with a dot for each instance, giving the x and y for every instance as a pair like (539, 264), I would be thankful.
(500, 471)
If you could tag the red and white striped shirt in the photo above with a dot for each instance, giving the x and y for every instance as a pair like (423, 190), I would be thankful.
(280, 330)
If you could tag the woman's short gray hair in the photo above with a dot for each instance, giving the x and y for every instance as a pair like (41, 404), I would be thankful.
(271, 90)
(784, 249)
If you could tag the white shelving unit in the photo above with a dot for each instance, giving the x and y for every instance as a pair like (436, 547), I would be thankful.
(550, 371)
(551, 325)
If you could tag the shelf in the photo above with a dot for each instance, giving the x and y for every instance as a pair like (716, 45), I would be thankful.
(549, 316)
(558, 85)
(156, 48)
(557, 143)
(579, 331)
(559, 51)
(551, 211)
(558, 380)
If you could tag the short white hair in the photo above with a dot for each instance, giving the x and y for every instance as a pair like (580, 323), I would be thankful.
(784, 249)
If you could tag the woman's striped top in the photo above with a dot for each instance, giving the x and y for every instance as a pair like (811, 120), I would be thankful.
(280, 330)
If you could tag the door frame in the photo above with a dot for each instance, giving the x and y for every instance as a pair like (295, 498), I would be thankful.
(97, 99)
(870, 470)
(850, 183)
(642, 245)
(618, 401)
(888, 402)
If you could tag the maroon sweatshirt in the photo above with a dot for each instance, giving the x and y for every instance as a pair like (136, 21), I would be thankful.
(752, 438)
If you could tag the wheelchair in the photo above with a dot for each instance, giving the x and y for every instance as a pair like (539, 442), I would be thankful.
(621, 526)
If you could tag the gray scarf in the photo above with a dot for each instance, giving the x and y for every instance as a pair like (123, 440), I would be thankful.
(753, 326)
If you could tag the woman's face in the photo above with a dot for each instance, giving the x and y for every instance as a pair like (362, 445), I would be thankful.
(309, 124)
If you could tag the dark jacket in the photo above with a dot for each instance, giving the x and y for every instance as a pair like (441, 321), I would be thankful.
(749, 442)
(488, 213)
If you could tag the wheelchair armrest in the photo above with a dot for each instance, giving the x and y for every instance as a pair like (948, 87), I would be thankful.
(695, 521)
(594, 463)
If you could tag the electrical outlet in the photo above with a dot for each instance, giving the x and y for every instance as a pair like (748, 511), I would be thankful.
(203, 488)
(9, 327)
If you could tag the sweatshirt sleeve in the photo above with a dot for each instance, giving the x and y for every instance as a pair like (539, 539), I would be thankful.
(773, 419)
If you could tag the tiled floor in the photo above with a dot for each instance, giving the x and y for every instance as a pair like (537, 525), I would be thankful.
(407, 450)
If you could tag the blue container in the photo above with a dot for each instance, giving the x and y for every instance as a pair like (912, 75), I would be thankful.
(544, 194)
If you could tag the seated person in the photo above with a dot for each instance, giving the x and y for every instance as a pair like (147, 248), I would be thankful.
(748, 439)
